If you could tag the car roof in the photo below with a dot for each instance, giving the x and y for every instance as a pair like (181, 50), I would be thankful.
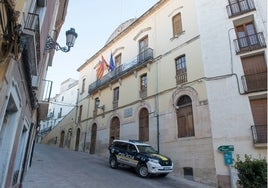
(136, 142)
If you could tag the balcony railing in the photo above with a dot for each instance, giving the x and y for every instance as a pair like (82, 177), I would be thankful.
(255, 82)
(139, 61)
(249, 43)
(240, 7)
(259, 133)
(181, 76)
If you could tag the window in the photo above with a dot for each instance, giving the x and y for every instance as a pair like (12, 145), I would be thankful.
(259, 113)
(116, 94)
(117, 60)
(246, 35)
(62, 98)
(116, 97)
(143, 45)
(143, 81)
(181, 71)
(83, 85)
(177, 25)
(255, 73)
(238, 7)
(143, 86)
(59, 114)
(80, 112)
(185, 117)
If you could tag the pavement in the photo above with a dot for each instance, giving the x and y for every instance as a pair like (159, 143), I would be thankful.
(54, 167)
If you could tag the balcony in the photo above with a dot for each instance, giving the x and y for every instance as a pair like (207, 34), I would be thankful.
(249, 43)
(259, 134)
(137, 63)
(240, 7)
(181, 76)
(255, 82)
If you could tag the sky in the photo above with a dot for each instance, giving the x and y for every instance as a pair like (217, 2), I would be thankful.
(94, 21)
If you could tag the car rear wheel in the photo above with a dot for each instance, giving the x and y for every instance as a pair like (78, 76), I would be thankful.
(142, 170)
(113, 162)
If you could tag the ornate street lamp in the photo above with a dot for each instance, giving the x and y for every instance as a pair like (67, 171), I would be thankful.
(71, 36)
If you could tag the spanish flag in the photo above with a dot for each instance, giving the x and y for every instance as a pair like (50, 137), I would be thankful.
(102, 66)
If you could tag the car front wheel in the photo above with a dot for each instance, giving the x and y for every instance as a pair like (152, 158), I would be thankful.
(113, 162)
(142, 170)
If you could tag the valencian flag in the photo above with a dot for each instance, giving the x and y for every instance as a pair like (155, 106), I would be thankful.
(111, 64)
(101, 68)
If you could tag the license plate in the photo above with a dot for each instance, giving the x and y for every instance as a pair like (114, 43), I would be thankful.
(167, 168)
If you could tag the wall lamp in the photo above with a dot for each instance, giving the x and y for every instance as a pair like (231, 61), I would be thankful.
(101, 107)
(71, 36)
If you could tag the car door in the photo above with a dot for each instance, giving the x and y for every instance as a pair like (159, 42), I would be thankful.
(122, 152)
(131, 155)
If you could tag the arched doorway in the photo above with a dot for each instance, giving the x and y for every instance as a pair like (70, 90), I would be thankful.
(144, 125)
(93, 139)
(114, 129)
(61, 139)
(185, 117)
(77, 139)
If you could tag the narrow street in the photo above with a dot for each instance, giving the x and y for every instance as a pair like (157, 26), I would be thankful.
(54, 167)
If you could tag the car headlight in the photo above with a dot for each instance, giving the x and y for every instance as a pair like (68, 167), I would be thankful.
(154, 160)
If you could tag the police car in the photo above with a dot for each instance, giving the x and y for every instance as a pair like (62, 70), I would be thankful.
(143, 157)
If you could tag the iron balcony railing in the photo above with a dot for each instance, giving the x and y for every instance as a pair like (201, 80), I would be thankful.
(240, 7)
(140, 60)
(255, 82)
(259, 134)
(249, 43)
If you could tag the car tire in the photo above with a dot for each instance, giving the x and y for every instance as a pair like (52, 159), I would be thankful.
(113, 162)
(142, 170)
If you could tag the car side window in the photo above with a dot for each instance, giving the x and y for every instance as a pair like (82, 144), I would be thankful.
(121, 146)
(132, 148)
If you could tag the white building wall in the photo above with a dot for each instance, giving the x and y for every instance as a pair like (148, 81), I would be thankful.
(229, 107)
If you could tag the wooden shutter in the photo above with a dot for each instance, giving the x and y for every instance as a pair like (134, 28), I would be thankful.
(259, 111)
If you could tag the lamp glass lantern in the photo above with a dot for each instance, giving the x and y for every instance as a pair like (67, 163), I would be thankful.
(71, 36)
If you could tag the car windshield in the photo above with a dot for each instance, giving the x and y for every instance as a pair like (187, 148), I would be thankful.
(146, 149)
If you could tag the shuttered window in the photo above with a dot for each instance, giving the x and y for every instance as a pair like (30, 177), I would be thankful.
(177, 25)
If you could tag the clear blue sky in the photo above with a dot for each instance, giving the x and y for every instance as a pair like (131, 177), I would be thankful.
(94, 21)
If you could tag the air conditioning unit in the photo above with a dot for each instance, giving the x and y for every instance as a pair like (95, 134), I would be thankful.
(41, 3)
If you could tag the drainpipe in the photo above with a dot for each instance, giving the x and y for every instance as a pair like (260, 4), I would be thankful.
(157, 104)
(76, 106)
(231, 52)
